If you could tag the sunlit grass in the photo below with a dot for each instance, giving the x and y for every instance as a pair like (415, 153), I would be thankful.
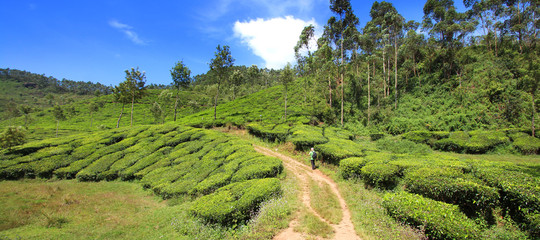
(325, 202)
(369, 217)
(311, 224)
(36, 209)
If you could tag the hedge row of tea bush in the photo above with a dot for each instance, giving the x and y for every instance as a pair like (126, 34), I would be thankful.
(520, 194)
(439, 220)
(171, 160)
(305, 137)
(269, 132)
(336, 149)
(475, 187)
(476, 142)
(235, 202)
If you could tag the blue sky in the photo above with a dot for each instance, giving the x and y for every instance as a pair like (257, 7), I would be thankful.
(97, 40)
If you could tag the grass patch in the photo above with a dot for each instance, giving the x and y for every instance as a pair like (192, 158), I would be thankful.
(311, 224)
(369, 217)
(37, 209)
(325, 202)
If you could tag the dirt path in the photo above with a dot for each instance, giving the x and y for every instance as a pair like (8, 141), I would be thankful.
(343, 230)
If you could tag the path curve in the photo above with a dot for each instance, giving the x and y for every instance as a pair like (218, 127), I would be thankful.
(343, 230)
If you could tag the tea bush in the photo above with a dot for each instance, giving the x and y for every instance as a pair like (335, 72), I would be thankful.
(402, 146)
(452, 186)
(525, 143)
(456, 142)
(381, 175)
(171, 160)
(351, 167)
(336, 149)
(233, 204)
(439, 220)
(334, 132)
(520, 195)
(305, 137)
(259, 167)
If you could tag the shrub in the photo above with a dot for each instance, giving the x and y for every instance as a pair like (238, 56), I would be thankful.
(483, 141)
(219, 178)
(305, 137)
(351, 167)
(92, 172)
(526, 144)
(376, 136)
(12, 136)
(450, 185)
(402, 146)
(129, 173)
(456, 142)
(260, 167)
(381, 175)
(418, 136)
(520, 195)
(439, 220)
(336, 149)
(333, 132)
(233, 204)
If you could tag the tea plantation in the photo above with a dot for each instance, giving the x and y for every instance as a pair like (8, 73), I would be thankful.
(449, 197)
(224, 175)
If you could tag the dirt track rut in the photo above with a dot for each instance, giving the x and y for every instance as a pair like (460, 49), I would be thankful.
(343, 230)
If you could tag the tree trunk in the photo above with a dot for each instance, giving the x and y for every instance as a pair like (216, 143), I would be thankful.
(342, 80)
(533, 115)
(175, 106)
(120, 117)
(368, 94)
(395, 70)
(384, 73)
(285, 104)
(330, 90)
(132, 102)
(215, 102)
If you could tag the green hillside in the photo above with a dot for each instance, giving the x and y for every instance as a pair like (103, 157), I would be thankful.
(21, 88)
(170, 160)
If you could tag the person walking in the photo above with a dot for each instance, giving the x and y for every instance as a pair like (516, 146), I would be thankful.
(313, 156)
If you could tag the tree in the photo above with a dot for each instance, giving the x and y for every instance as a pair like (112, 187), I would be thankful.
(341, 32)
(286, 78)
(221, 64)
(448, 28)
(391, 24)
(58, 114)
(93, 107)
(157, 112)
(159, 109)
(236, 78)
(12, 136)
(181, 80)
(134, 87)
(306, 36)
(121, 95)
(26, 110)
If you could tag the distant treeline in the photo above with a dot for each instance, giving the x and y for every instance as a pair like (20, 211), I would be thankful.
(52, 84)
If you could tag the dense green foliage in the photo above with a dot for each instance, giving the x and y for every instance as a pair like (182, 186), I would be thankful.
(171, 160)
(439, 220)
(476, 141)
(12, 137)
(473, 188)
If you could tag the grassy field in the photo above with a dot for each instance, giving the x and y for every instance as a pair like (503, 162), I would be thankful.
(68, 209)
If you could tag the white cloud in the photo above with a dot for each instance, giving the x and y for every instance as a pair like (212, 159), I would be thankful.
(127, 30)
(273, 40)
